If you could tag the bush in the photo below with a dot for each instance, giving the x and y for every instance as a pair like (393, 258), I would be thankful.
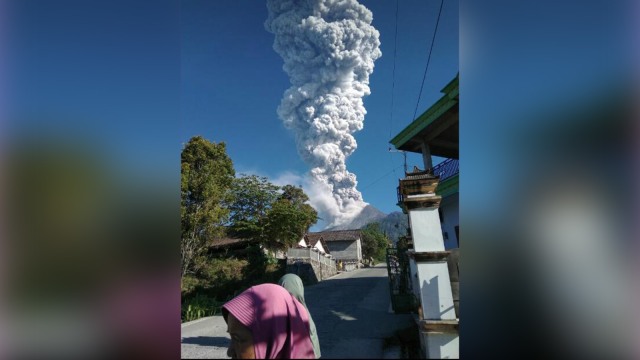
(257, 265)
(221, 279)
(200, 306)
(223, 270)
(188, 285)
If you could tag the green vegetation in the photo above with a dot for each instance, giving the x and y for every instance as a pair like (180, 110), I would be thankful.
(200, 306)
(214, 205)
(252, 199)
(206, 174)
(289, 218)
(374, 242)
(276, 216)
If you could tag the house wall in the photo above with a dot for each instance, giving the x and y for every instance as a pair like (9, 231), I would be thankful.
(319, 246)
(450, 214)
(345, 249)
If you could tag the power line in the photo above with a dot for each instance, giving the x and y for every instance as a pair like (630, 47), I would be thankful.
(428, 59)
(381, 177)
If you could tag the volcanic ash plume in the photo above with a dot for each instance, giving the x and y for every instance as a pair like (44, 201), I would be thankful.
(328, 48)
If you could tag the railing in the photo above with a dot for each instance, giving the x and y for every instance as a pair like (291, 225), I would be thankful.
(310, 254)
(400, 284)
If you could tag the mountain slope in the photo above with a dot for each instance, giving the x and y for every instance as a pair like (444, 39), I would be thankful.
(394, 224)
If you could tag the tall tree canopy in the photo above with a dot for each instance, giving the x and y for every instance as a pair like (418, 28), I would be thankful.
(276, 216)
(374, 242)
(206, 176)
(214, 203)
(253, 196)
(289, 218)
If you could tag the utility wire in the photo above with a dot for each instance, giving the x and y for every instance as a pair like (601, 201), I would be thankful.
(428, 59)
(381, 177)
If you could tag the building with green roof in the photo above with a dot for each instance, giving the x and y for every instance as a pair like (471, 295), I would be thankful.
(436, 133)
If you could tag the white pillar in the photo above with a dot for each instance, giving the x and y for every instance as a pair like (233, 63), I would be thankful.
(438, 325)
(426, 231)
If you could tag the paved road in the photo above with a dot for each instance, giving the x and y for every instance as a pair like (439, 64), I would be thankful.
(351, 312)
(205, 338)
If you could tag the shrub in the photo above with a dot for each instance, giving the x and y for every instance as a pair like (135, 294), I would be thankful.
(200, 306)
(188, 285)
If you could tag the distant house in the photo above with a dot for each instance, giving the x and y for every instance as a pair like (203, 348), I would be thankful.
(239, 247)
(344, 245)
(228, 243)
(315, 242)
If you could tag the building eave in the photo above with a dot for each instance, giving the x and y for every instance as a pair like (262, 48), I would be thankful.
(448, 187)
(436, 111)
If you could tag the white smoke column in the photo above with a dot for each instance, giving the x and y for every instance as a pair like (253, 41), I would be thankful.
(328, 48)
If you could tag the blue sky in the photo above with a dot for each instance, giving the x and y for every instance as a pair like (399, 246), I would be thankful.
(232, 83)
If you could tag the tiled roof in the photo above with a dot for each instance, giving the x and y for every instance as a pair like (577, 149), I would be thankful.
(446, 169)
(337, 235)
(419, 177)
(313, 240)
(217, 243)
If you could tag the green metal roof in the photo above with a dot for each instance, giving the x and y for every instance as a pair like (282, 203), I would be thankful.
(448, 187)
(446, 102)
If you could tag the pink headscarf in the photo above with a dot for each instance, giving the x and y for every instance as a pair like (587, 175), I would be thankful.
(278, 322)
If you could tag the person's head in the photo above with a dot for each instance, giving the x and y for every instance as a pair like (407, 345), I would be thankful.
(241, 346)
(266, 322)
(294, 286)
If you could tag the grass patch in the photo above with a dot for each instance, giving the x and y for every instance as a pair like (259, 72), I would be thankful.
(200, 306)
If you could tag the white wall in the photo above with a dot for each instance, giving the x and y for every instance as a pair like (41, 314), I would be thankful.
(426, 230)
(450, 213)
(320, 248)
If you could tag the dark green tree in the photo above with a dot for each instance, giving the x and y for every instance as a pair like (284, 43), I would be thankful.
(289, 219)
(206, 176)
(374, 242)
(253, 196)
(275, 216)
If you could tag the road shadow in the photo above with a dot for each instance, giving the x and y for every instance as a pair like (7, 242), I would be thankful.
(217, 341)
(352, 315)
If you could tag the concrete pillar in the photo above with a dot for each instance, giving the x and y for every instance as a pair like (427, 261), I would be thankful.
(438, 323)
(426, 155)
(426, 230)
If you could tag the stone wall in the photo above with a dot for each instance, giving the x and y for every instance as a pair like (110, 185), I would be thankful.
(347, 265)
(310, 270)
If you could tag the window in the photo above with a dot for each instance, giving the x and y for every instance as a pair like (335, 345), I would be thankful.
(458, 235)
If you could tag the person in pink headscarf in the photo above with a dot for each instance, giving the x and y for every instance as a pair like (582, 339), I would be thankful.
(267, 322)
